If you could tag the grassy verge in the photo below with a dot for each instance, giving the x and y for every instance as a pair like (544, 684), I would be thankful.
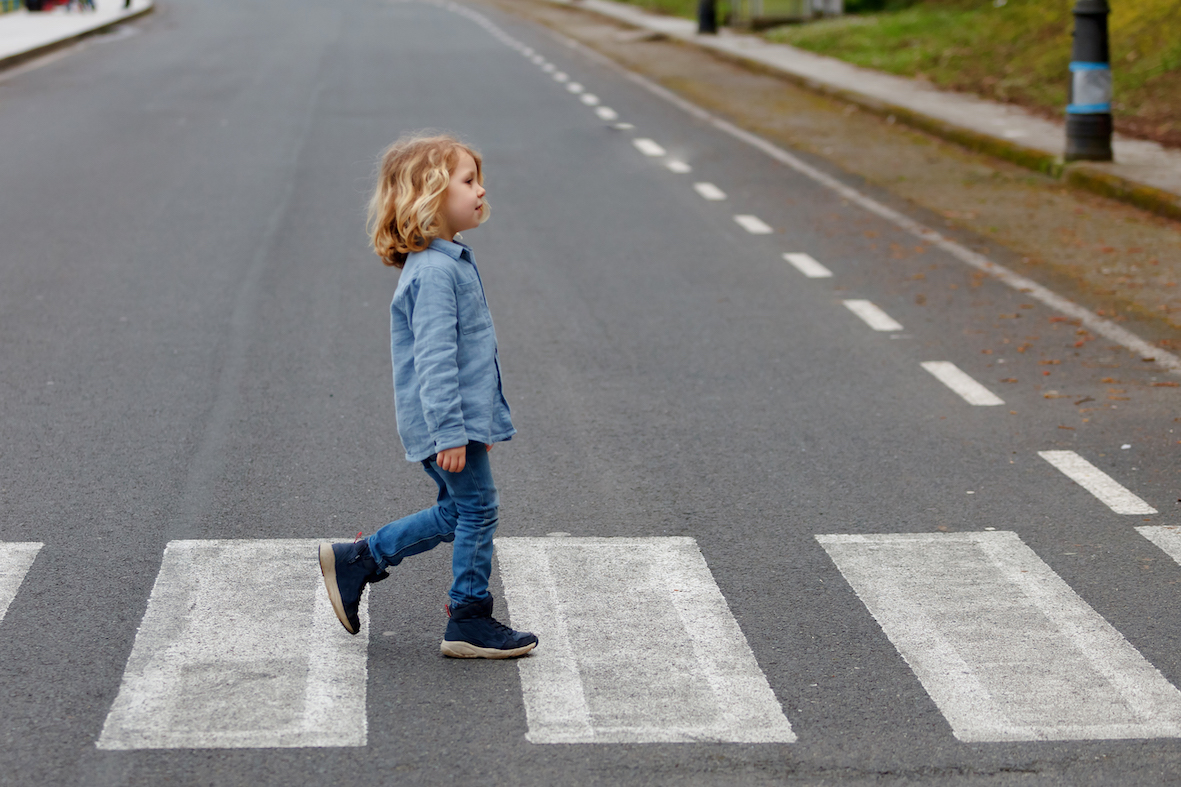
(1016, 52)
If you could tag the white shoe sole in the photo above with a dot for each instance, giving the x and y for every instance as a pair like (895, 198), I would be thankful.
(328, 571)
(466, 650)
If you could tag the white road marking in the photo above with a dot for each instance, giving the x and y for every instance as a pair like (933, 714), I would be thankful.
(16, 558)
(710, 192)
(807, 266)
(239, 648)
(1166, 537)
(962, 383)
(537, 59)
(549, 68)
(606, 113)
(753, 224)
(648, 147)
(1005, 648)
(678, 166)
(637, 645)
(873, 316)
(575, 87)
(1089, 320)
(561, 76)
(590, 99)
(1097, 482)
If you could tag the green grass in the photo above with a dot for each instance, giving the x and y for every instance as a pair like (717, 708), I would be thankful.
(1017, 52)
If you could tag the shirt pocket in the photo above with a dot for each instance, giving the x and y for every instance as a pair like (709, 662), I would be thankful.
(473, 314)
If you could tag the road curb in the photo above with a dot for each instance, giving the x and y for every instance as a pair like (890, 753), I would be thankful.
(1081, 175)
(15, 59)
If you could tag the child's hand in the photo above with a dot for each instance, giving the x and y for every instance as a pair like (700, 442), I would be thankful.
(452, 459)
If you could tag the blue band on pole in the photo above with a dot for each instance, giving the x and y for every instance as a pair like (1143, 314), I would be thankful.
(1077, 66)
(1088, 109)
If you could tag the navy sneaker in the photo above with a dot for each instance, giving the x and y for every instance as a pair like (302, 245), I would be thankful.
(472, 633)
(347, 569)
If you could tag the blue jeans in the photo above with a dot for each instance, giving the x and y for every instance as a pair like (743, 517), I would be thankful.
(467, 513)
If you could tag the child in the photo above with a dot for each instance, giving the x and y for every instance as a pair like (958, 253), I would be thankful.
(446, 389)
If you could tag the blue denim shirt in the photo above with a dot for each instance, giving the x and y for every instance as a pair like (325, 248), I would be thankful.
(446, 370)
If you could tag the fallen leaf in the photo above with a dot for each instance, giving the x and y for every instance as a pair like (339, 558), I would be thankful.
(1166, 385)
(1071, 428)
(1049, 363)
(1121, 398)
(987, 352)
(1008, 379)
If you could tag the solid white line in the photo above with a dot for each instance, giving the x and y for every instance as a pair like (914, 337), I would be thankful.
(677, 166)
(807, 266)
(648, 147)
(962, 383)
(1089, 319)
(1005, 648)
(606, 113)
(239, 648)
(753, 224)
(710, 192)
(873, 316)
(1097, 482)
(638, 645)
(590, 99)
(16, 557)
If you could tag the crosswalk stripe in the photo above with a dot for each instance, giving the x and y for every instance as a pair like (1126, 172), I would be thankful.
(962, 383)
(1109, 491)
(16, 558)
(1167, 537)
(1004, 647)
(239, 648)
(637, 645)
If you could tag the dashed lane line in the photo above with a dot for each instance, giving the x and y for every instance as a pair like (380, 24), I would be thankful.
(648, 147)
(606, 113)
(1004, 647)
(1032, 289)
(16, 558)
(709, 191)
(753, 224)
(590, 99)
(575, 87)
(239, 648)
(678, 166)
(873, 316)
(962, 383)
(1110, 492)
(637, 645)
(806, 265)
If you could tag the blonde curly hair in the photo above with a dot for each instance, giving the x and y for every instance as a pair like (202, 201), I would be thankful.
(412, 181)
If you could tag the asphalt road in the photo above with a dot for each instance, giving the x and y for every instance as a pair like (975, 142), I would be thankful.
(194, 345)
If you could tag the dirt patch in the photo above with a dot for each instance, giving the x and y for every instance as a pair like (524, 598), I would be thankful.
(1122, 262)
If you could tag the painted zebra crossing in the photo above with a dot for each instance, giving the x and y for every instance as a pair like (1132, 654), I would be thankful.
(15, 561)
(238, 650)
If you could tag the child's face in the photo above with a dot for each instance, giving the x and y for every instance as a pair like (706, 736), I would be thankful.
(463, 205)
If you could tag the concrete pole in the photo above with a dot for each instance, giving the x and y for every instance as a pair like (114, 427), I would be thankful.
(1088, 116)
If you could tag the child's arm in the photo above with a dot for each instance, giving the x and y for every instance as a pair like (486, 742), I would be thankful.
(434, 322)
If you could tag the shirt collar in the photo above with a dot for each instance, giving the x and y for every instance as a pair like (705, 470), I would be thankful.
(453, 249)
